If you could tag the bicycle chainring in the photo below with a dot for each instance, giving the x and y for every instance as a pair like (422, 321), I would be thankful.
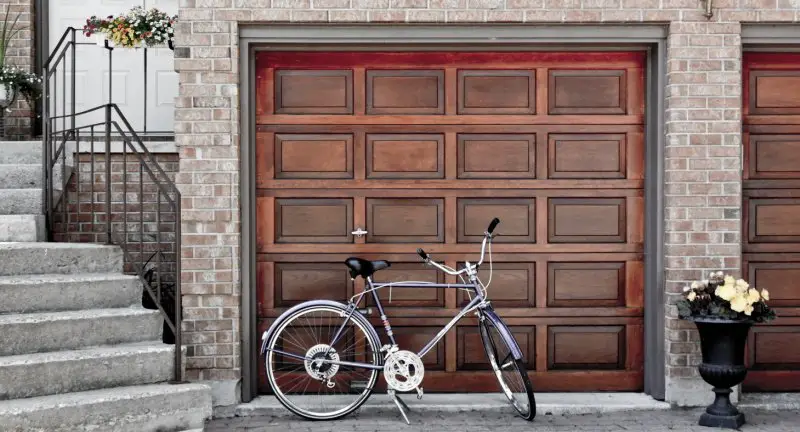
(314, 365)
(403, 371)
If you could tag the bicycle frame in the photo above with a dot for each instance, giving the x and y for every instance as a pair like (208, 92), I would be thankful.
(478, 302)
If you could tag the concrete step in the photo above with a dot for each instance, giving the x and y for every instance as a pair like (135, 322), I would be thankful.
(57, 331)
(41, 374)
(22, 228)
(145, 408)
(60, 292)
(44, 258)
(20, 201)
(20, 152)
(20, 176)
(29, 176)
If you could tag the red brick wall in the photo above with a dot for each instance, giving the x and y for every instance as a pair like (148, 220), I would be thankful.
(86, 209)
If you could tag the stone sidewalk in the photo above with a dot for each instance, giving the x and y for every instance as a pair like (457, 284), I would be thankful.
(672, 420)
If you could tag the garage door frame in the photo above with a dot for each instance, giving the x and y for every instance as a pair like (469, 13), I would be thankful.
(306, 37)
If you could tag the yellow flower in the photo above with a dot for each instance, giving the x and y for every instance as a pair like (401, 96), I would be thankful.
(729, 280)
(739, 303)
(765, 294)
(742, 283)
(725, 292)
(753, 296)
(692, 295)
(748, 310)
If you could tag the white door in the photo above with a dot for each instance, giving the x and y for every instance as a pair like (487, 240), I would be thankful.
(146, 99)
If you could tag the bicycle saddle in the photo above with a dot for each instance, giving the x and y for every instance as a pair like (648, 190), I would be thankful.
(364, 268)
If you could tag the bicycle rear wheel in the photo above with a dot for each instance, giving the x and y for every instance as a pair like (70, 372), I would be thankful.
(510, 372)
(311, 388)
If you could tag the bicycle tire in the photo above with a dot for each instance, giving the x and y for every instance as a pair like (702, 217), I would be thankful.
(370, 338)
(518, 370)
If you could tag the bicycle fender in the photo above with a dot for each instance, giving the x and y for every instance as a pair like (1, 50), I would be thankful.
(268, 333)
(501, 327)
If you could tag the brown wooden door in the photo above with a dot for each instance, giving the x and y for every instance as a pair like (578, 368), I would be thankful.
(423, 150)
(771, 214)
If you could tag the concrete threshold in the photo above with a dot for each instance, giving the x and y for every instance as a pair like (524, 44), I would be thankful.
(546, 404)
(769, 401)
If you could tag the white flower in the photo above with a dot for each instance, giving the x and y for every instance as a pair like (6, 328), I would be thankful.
(686, 289)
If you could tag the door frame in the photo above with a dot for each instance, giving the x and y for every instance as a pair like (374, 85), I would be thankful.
(309, 37)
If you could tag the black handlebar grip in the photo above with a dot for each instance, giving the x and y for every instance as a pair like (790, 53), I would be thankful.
(493, 225)
(422, 254)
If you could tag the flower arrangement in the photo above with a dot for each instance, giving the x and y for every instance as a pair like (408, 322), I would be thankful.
(135, 28)
(722, 296)
(24, 83)
(13, 80)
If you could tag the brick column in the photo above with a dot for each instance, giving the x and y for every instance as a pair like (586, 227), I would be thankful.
(703, 180)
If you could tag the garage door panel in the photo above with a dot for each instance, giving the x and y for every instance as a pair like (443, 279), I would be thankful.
(517, 214)
(405, 91)
(313, 220)
(298, 282)
(313, 156)
(405, 220)
(573, 284)
(587, 92)
(768, 93)
(313, 91)
(775, 277)
(472, 355)
(423, 149)
(496, 91)
(586, 220)
(496, 156)
(404, 156)
(773, 156)
(513, 285)
(585, 347)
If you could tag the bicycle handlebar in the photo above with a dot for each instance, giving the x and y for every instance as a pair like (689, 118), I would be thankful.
(487, 237)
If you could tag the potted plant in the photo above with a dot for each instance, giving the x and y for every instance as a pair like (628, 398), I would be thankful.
(723, 309)
(14, 81)
(136, 28)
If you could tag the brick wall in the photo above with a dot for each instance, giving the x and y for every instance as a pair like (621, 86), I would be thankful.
(20, 53)
(703, 148)
(85, 217)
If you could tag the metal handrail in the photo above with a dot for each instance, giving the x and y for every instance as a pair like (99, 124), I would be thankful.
(72, 214)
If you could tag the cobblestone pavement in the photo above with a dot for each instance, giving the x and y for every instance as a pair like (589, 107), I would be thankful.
(475, 421)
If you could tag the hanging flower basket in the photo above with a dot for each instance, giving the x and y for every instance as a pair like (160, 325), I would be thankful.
(136, 28)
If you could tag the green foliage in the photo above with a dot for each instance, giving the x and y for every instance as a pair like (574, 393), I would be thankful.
(16, 80)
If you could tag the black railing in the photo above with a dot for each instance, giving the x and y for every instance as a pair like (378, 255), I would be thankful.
(60, 91)
(86, 198)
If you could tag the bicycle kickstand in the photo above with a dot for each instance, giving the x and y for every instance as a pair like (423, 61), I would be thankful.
(400, 404)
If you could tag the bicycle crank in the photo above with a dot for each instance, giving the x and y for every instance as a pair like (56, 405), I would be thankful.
(403, 371)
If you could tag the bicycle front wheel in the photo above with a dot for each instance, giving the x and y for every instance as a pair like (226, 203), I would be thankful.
(298, 374)
(510, 372)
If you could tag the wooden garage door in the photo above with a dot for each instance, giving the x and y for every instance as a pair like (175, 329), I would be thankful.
(771, 214)
(423, 150)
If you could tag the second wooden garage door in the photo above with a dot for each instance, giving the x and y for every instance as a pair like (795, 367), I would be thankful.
(422, 150)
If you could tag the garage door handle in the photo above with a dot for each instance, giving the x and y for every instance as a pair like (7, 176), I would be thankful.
(359, 232)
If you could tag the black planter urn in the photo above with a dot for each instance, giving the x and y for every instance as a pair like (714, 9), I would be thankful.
(722, 342)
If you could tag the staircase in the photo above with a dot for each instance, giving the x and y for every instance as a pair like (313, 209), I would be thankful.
(21, 191)
(78, 352)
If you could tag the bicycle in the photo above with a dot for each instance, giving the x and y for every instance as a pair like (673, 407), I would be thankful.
(351, 349)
